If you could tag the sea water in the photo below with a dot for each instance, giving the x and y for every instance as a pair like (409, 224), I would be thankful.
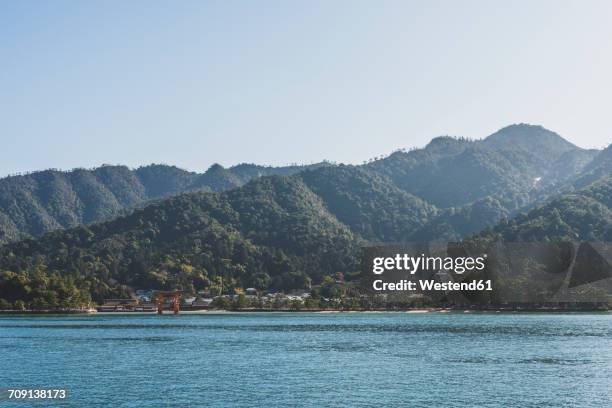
(311, 360)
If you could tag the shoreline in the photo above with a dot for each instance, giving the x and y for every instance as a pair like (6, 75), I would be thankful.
(93, 312)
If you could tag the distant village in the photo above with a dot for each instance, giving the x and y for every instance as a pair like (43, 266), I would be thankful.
(335, 294)
(147, 301)
(339, 296)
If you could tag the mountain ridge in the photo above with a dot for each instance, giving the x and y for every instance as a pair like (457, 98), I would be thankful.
(38, 202)
(518, 166)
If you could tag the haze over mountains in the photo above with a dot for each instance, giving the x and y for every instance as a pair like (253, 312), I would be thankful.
(235, 228)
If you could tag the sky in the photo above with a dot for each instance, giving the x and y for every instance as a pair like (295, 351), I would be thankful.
(192, 83)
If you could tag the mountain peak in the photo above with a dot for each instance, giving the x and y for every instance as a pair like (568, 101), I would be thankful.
(447, 144)
(532, 138)
(215, 167)
(443, 140)
(524, 127)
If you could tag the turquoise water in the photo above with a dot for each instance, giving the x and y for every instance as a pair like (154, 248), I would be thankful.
(314, 360)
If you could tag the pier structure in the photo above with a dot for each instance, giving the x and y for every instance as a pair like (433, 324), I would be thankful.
(173, 295)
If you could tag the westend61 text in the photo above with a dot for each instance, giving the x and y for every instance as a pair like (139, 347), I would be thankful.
(428, 285)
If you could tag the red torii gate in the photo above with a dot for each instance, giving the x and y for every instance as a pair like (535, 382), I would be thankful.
(175, 295)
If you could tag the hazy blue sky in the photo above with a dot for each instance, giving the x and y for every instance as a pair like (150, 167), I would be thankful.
(84, 83)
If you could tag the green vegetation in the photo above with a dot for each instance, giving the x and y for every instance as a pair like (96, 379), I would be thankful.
(35, 203)
(369, 203)
(271, 233)
(585, 215)
(284, 232)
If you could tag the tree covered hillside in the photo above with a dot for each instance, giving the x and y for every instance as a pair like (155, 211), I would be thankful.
(272, 233)
(285, 232)
(514, 168)
(600, 166)
(33, 204)
(369, 203)
(585, 215)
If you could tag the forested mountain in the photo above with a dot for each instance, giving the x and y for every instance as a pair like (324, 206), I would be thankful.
(33, 204)
(476, 183)
(456, 223)
(513, 168)
(600, 166)
(273, 232)
(284, 232)
(369, 203)
(584, 215)
(512, 165)
(539, 141)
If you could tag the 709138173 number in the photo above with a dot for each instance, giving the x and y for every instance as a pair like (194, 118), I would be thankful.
(31, 394)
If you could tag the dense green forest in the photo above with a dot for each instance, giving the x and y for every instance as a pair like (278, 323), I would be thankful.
(271, 233)
(584, 215)
(369, 203)
(518, 166)
(39, 202)
(513, 165)
(292, 231)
